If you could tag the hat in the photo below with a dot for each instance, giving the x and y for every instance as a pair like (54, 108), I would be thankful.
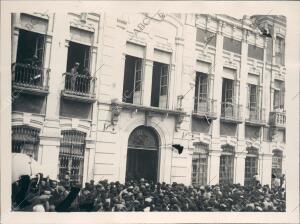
(77, 63)
(38, 208)
(148, 200)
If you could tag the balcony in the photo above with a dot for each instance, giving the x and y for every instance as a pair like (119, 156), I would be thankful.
(79, 88)
(205, 108)
(30, 79)
(255, 116)
(277, 119)
(231, 112)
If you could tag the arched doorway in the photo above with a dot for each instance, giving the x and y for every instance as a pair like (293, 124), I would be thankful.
(142, 154)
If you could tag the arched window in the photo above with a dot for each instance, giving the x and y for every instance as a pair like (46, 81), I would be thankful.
(251, 164)
(277, 163)
(226, 165)
(25, 139)
(71, 155)
(199, 164)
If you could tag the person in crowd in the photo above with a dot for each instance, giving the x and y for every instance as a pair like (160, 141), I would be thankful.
(46, 195)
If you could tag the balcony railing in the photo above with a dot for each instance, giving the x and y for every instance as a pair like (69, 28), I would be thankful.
(277, 118)
(231, 112)
(205, 107)
(81, 87)
(255, 115)
(30, 78)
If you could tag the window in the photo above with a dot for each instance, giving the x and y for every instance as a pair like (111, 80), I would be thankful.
(201, 92)
(28, 70)
(226, 165)
(132, 86)
(206, 37)
(251, 164)
(279, 50)
(71, 155)
(232, 45)
(25, 140)
(227, 109)
(277, 163)
(255, 52)
(227, 90)
(199, 165)
(30, 45)
(78, 53)
(279, 93)
(78, 78)
(252, 100)
(160, 83)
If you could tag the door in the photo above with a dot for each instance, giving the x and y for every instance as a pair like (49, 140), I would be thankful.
(142, 155)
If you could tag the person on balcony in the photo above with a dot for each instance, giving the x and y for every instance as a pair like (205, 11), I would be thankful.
(74, 74)
(36, 71)
(86, 80)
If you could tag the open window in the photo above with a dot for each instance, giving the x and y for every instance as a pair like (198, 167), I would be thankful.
(160, 85)
(201, 92)
(79, 53)
(132, 86)
(30, 48)
(227, 98)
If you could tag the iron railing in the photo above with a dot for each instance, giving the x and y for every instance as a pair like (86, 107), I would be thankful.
(30, 76)
(255, 114)
(231, 111)
(205, 107)
(277, 118)
(80, 85)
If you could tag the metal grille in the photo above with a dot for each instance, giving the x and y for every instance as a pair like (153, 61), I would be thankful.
(251, 163)
(227, 165)
(199, 165)
(71, 155)
(25, 140)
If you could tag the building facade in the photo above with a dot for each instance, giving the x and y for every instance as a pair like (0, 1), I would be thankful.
(105, 96)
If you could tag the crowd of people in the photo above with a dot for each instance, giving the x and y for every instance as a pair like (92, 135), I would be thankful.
(41, 194)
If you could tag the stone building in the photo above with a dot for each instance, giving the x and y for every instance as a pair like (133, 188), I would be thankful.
(106, 96)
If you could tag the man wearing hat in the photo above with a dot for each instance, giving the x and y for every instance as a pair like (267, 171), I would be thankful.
(74, 74)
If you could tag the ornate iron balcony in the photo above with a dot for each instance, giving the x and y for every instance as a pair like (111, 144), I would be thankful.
(205, 108)
(231, 112)
(29, 78)
(277, 118)
(79, 87)
(255, 115)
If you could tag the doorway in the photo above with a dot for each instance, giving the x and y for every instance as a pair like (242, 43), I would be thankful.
(142, 154)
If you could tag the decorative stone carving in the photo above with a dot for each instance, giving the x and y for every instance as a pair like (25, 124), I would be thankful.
(115, 112)
(178, 121)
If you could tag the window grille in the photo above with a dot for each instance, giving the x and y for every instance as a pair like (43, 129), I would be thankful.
(226, 165)
(25, 139)
(251, 165)
(199, 165)
(71, 155)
